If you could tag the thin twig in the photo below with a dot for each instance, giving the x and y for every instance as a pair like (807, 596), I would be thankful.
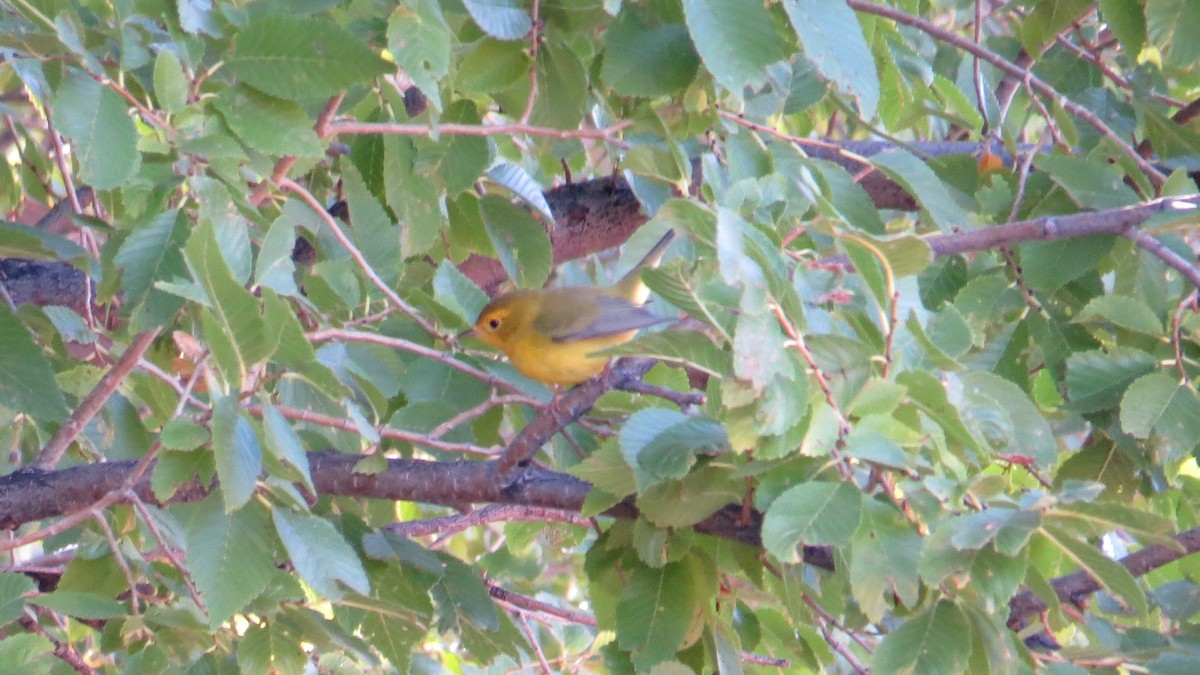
(683, 399)
(533, 642)
(284, 165)
(307, 197)
(569, 407)
(1159, 250)
(445, 358)
(1012, 70)
(412, 437)
(94, 401)
(60, 158)
(535, 32)
(146, 113)
(824, 614)
(528, 604)
(63, 650)
(1176, 333)
(121, 562)
(797, 340)
(471, 413)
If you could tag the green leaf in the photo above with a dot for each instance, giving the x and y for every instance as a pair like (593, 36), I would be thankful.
(655, 610)
(285, 444)
(905, 255)
(26, 378)
(606, 470)
(230, 556)
(1122, 311)
(491, 66)
(1047, 19)
(401, 616)
(13, 588)
(816, 513)
(183, 434)
(413, 195)
(1049, 266)
(871, 446)
(1029, 435)
(758, 351)
(321, 556)
(236, 452)
(235, 312)
(22, 241)
(301, 59)
(1159, 404)
(935, 196)
(103, 137)
(151, 253)
(519, 182)
(274, 267)
(884, 534)
(454, 291)
(674, 284)
(1100, 517)
(270, 648)
(502, 19)
(459, 160)
(1112, 575)
(420, 41)
(1174, 23)
(736, 41)
(520, 241)
(563, 89)
(80, 605)
(385, 545)
(937, 640)
(170, 85)
(1127, 21)
(267, 124)
(1096, 379)
(682, 503)
(683, 347)
(833, 40)
(1009, 529)
(659, 444)
(644, 58)
(1091, 183)
(463, 600)
(930, 396)
(372, 230)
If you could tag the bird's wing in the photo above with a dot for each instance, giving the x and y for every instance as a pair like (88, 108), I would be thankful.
(603, 316)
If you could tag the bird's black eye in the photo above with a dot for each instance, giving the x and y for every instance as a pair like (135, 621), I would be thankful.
(494, 324)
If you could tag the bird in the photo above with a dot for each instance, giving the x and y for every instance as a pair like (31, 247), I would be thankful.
(550, 334)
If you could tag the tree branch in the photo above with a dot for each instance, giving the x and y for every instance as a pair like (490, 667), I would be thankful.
(27, 496)
(94, 401)
(1074, 587)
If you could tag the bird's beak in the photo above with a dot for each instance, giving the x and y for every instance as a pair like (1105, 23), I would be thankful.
(470, 332)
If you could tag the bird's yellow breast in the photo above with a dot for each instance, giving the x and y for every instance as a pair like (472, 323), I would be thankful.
(563, 363)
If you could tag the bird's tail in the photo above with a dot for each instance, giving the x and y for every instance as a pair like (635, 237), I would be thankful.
(630, 286)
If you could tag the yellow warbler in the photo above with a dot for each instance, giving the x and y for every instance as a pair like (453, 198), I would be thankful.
(548, 333)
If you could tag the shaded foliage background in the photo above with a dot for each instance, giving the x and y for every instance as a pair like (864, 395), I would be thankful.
(931, 407)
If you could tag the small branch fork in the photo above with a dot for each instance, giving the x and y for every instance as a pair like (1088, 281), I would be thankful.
(544, 611)
(1012, 70)
(93, 402)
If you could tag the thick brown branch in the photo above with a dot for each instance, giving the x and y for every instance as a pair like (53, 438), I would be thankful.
(1078, 585)
(30, 495)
